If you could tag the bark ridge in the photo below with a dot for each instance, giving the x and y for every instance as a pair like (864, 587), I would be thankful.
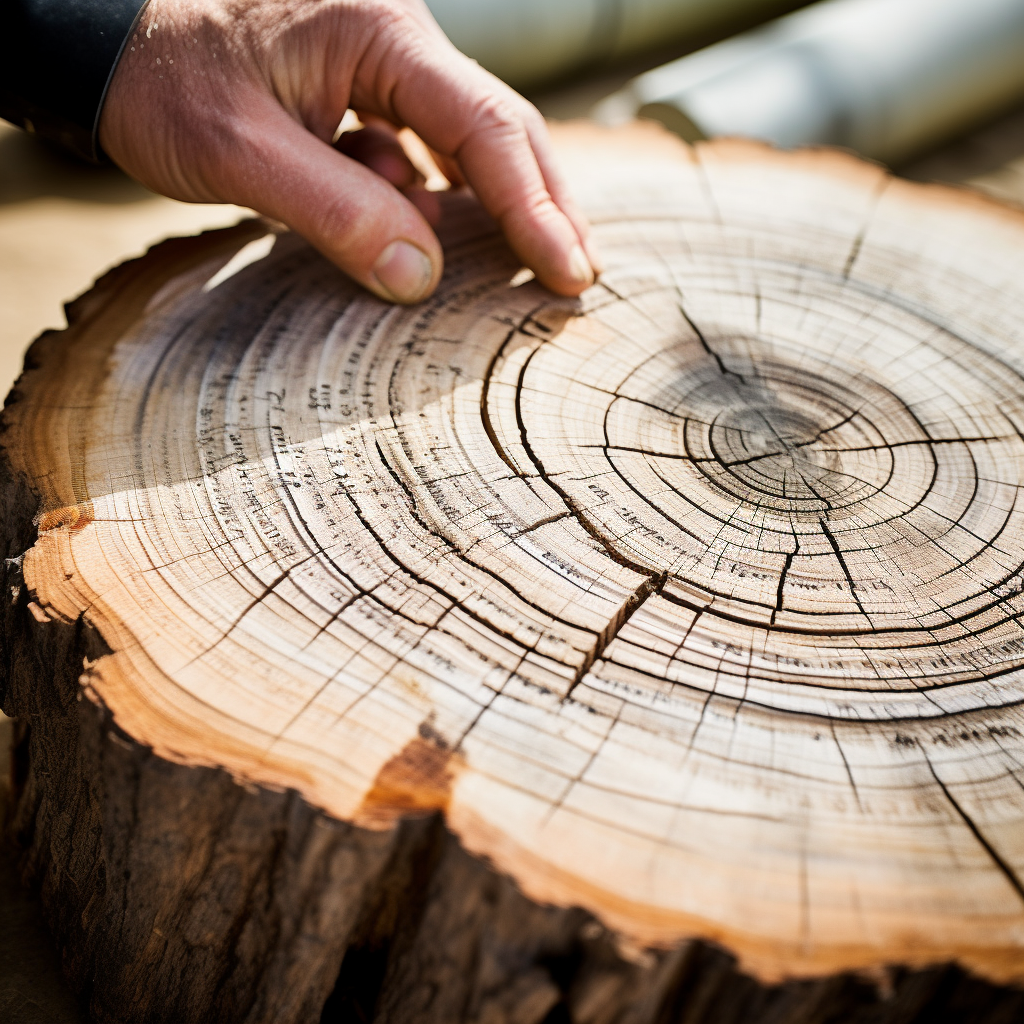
(487, 660)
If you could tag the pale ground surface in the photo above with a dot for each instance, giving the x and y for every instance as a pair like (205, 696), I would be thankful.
(63, 224)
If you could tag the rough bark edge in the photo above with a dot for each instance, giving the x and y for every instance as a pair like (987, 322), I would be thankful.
(422, 931)
(178, 895)
(66, 504)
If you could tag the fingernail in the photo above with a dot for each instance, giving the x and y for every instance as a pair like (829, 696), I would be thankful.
(579, 266)
(596, 261)
(404, 271)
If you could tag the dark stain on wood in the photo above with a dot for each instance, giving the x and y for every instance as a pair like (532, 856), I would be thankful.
(417, 780)
(77, 517)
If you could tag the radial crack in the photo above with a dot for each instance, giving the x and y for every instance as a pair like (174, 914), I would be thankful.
(1008, 872)
(726, 372)
(782, 583)
(846, 765)
(651, 585)
(842, 564)
(858, 240)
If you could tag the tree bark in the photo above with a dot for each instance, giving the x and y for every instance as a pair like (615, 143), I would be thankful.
(654, 656)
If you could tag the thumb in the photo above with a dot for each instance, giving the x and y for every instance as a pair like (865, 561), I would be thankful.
(352, 215)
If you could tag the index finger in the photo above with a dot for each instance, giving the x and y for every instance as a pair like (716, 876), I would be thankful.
(500, 142)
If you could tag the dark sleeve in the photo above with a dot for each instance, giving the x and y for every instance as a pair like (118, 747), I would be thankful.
(56, 61)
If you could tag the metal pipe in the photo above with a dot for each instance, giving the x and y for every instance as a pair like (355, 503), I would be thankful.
(527, 41)
(884, 77)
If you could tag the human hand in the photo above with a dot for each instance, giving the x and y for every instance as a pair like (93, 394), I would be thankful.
(238, 100)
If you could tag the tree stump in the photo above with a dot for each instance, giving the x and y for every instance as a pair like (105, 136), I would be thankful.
(653, 656)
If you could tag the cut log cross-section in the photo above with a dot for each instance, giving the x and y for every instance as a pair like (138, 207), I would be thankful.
(517, 658)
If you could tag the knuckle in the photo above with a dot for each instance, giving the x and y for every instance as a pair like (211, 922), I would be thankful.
(532, 116)
(492, 112)
(530, 207)
(385, 18)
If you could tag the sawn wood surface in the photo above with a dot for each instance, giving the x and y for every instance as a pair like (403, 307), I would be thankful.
(511, 642)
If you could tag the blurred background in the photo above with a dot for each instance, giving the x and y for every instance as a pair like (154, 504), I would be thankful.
(933, 88)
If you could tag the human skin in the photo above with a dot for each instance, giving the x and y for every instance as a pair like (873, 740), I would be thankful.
(238, 100)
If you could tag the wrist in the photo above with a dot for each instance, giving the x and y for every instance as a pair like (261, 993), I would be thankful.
(56, 63)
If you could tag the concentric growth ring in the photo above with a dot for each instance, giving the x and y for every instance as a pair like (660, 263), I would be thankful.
(709, 584)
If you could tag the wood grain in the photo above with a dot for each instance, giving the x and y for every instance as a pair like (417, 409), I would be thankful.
(694, 603)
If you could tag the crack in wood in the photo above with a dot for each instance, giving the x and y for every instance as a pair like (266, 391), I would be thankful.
(652, 600)
(652, 585)
(1008, 873)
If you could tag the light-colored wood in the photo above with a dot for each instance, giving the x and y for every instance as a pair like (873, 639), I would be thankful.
(695, 603)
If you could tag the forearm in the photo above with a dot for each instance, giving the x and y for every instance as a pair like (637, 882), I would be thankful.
(56, 61)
